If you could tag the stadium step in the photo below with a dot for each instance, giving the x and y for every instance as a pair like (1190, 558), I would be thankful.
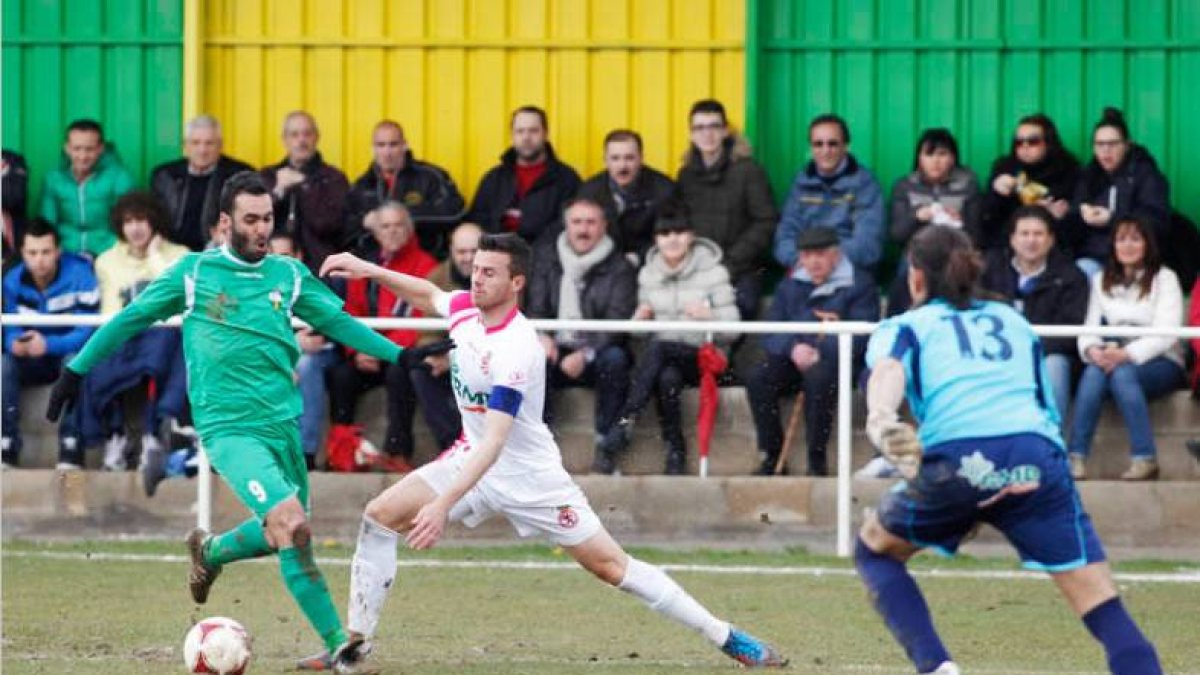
(1174, 419)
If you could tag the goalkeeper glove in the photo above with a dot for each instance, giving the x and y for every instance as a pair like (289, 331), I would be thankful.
(900, 445)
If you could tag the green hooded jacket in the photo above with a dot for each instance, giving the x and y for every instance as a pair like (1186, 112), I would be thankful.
(80, 210)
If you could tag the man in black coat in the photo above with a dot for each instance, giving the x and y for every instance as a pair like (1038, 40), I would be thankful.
(633, 195)
(582, 275)
(1044, 284)
(427, 190)
(191, 187)
(526, 192)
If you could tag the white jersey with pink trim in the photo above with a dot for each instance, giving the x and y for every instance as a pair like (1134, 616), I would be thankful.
(508, 355)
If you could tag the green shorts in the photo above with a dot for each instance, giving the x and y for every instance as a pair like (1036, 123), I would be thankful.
(264, 466)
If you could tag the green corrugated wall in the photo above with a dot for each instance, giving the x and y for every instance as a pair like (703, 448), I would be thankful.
(895, 67)
(118, 61)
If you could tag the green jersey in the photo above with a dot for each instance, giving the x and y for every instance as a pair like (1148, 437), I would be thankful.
(238, 340)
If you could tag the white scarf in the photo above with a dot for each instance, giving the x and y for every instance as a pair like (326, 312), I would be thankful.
(575, 268)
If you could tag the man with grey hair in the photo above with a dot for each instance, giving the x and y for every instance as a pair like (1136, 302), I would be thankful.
(191, 187)
(310, 195)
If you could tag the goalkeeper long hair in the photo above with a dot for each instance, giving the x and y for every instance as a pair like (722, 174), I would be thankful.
(951, 265)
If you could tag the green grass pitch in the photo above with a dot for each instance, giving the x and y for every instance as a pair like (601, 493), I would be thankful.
(87, 608)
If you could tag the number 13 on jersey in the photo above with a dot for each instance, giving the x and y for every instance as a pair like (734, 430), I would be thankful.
(980, 335)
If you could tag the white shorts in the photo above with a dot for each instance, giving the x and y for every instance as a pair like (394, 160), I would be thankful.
(537, 502)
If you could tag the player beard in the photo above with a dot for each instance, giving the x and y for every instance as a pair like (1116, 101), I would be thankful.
(247, 248)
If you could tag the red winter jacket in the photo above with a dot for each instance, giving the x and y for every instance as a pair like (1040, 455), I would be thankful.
(367, 298)
(1194, 320)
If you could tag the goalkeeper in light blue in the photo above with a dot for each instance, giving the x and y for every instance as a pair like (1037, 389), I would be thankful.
(988, 450)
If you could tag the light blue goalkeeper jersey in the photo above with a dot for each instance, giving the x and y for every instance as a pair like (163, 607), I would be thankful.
(974, 373)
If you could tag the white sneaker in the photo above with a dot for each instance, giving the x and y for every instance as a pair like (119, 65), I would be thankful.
(879, 467)
(114, 453)
(947, 668)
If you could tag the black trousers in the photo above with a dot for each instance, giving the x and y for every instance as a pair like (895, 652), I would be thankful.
(608, 374)
(664, 369)
(436, 399)
(776, 376)
(346, 383)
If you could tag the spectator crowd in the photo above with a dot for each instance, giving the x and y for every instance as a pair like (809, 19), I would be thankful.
(1064, 242)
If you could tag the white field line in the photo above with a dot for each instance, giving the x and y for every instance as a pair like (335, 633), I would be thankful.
(601, 665)
(1180, 577)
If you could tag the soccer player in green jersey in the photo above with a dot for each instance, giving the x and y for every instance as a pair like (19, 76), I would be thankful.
(237, 304)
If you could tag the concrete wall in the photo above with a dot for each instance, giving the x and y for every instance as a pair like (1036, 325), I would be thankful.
(654, 510)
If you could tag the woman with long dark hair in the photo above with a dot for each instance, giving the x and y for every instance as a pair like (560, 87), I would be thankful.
(1135, 289)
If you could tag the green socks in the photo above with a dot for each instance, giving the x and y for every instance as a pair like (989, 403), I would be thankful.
(300, 574)
(307, 585)
(247, 540)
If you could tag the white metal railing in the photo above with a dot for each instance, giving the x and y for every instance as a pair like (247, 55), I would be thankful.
(844, 330)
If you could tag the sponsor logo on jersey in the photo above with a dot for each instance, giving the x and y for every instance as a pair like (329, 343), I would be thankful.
(469, 401)
(982, 474)
(567, 517)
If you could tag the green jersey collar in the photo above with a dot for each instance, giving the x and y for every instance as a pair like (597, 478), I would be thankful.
(228, 253)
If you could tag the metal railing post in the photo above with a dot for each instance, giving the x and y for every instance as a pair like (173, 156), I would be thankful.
(844, 447)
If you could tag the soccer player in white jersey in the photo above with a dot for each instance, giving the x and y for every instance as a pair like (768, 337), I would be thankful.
(506, 462)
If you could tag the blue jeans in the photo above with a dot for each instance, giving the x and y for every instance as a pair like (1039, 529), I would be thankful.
(20, 372)
(1130, 386)
(1058, 370)
(310, 376)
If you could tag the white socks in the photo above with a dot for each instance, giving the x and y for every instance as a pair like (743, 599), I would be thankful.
(663, 595)
(371, 576)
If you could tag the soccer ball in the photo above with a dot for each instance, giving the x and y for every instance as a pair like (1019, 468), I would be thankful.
(217, 645)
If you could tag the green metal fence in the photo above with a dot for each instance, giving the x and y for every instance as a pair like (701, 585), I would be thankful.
(895, 67)
(118, 61)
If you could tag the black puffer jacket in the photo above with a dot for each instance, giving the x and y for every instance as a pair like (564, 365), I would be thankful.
(633, 229)
(313, 211)
(426, 189)
(170, 181)
(1058, 172)
(1141, 192)
(730, 203)
(609, 292)
(1059, 297)
(541, 209)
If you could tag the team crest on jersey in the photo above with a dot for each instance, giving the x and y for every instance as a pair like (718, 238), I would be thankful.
(567, 517)
(276, 299)
(485, 363)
